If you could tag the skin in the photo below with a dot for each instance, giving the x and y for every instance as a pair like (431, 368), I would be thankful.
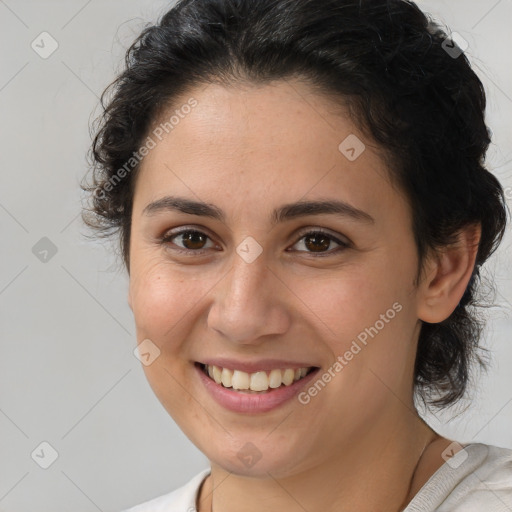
(359, 444)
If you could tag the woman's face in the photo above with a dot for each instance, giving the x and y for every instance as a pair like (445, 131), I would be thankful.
(263, 290)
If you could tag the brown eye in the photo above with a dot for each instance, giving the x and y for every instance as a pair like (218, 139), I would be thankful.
(320, 242)
(317, 242)
(193, 239)
(187, 240)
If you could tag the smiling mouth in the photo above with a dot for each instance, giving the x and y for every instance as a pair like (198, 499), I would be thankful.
(257, 382)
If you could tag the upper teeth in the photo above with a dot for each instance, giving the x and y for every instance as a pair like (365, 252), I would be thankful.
(258, 381)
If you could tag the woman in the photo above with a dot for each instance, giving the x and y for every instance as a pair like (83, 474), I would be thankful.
(303, 210)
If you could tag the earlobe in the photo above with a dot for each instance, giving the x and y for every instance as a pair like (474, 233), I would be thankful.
(447, 276)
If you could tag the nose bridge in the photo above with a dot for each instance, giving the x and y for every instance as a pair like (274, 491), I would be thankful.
(247, 304)
(248, 284)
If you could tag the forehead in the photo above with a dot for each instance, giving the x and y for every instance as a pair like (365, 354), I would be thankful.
(276, 142)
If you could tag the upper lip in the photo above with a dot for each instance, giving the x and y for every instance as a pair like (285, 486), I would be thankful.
(255, 366)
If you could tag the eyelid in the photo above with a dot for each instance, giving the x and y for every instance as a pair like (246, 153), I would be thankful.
(168, 233)
(341, 239)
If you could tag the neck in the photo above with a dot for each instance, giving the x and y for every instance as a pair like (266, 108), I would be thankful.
(375, 473)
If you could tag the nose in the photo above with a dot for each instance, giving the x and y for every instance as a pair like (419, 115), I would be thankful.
(249, 303)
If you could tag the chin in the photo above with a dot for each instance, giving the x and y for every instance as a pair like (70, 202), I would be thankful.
(255, 459)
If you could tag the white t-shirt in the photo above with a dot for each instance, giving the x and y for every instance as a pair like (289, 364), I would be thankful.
(476, 479)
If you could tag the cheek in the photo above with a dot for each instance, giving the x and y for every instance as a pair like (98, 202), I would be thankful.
(162, 298)
(343, 305)
(364, 315)
(166, 305)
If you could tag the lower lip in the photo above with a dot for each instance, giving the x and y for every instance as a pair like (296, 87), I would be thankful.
(251, 402)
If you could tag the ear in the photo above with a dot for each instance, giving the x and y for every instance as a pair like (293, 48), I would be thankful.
(446, 276)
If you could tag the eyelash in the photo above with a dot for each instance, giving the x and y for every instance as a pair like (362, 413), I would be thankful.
(167, 237)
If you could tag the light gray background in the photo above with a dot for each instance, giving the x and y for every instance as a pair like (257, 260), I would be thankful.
(68, 375)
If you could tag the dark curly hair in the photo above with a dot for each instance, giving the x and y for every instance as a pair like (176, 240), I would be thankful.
(407, 86)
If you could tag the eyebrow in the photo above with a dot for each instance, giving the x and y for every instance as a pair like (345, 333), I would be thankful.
(283, 213)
